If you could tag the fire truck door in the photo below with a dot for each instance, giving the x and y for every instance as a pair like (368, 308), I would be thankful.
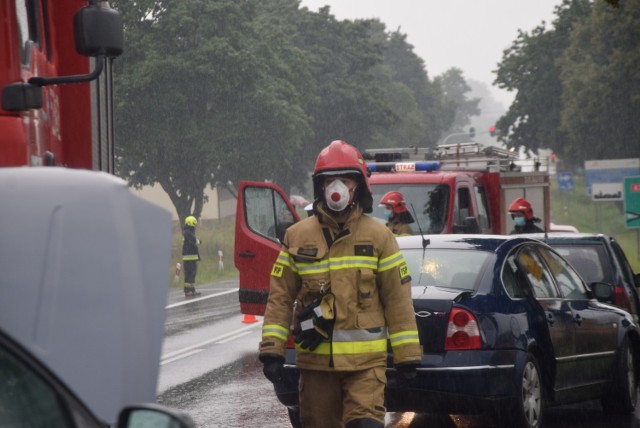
(263, 214)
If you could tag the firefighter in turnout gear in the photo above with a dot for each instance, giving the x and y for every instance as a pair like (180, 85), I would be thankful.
(190, 255)
(522, 215)
(398, 216)
(341, 285)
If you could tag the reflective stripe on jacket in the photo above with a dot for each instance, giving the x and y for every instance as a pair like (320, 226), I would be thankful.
(365, 270)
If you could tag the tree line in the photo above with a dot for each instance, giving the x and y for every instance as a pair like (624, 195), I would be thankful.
(576, 83)
(212, 91)
(215, 91)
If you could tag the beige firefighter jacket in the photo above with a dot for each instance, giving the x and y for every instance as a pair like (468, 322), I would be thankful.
(365, 270)
(399, 229)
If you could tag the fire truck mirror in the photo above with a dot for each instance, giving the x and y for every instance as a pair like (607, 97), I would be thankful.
(98, 30)
(471, 225)
(21, 96)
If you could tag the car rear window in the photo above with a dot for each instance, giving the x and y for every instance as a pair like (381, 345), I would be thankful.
(590, 261)
(458, 269)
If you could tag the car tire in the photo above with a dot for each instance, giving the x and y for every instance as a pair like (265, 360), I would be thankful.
(294, 418)
(622, 396)
(528, 407)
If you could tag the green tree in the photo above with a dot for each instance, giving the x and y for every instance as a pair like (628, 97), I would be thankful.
(209, 91)
(200, 98)
(419, 105)
(348, 104)
(459, 107)
(529, 68)
(601, 81)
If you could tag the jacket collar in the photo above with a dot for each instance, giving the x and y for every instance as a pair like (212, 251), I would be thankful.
(328, 220)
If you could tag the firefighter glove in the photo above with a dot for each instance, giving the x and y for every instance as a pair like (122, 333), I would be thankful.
(273, 367)
(404, 374)
(315, 323)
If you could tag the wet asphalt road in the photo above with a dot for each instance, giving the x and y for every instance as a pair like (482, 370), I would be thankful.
(210, 370)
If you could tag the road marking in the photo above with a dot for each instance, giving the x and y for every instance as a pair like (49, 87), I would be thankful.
(233, 338)
(209, 296)
(179, 357)
(231, 335)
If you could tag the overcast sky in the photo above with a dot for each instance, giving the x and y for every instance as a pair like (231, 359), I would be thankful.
(467, 34)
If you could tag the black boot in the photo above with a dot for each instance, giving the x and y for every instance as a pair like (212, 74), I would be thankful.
(365, 423)
(187, 290)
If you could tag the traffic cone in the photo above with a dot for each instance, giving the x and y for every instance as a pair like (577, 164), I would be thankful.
(249, 319)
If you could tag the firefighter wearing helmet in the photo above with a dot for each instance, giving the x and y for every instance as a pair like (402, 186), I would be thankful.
(341, 281)
(522, 215)
(398, 216)
(190, 255)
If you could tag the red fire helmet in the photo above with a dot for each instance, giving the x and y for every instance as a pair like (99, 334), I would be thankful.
(522, 205)
(395, 200)
(340, 158)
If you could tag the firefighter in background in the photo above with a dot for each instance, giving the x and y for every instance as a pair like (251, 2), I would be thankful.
(522, 215)
(342, 284)
(190, 255)
(398, 216)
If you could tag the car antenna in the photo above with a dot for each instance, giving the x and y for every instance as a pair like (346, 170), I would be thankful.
(425, 241)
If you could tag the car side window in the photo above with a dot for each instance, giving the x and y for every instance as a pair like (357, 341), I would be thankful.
(569, 282)
(514, 287)
(534, 269)
(25, 398)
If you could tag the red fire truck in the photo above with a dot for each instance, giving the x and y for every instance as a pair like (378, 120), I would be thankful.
(460, 188)
(50, 114)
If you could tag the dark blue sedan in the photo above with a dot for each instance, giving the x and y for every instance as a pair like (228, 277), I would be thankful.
(507, 328)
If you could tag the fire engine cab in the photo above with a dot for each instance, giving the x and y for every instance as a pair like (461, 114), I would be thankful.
(49, 115)
(458, 188)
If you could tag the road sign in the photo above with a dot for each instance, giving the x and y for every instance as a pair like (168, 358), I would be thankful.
(609, 171)
(606, 192)
(632, 202)
(565, 181)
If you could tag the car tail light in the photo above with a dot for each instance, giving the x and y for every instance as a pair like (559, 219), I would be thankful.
(620, 298)
(462, 331)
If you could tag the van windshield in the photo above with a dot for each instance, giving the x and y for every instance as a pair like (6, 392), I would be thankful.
(428, 202)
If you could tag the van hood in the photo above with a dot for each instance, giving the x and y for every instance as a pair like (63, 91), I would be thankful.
(84, 267)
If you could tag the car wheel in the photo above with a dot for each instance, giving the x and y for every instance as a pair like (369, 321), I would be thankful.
(622, 396)
(529, 405)
(294, 418)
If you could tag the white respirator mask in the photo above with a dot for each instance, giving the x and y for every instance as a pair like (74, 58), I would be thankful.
(337, 196)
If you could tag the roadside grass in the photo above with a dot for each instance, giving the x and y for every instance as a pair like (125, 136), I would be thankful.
(215, 235)
(577, 209)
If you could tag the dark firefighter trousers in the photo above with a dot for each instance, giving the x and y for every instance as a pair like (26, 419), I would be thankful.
(331, 399)
(190, 269)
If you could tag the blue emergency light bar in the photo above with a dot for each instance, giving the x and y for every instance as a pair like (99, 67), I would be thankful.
(403, 166)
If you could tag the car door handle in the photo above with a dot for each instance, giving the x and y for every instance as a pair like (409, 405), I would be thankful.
(247, 255)
(577, 319)
(550, 319)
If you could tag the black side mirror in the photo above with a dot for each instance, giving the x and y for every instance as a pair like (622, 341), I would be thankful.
(601, 291)
(98, 30)
(153, 415)
(471, 225)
